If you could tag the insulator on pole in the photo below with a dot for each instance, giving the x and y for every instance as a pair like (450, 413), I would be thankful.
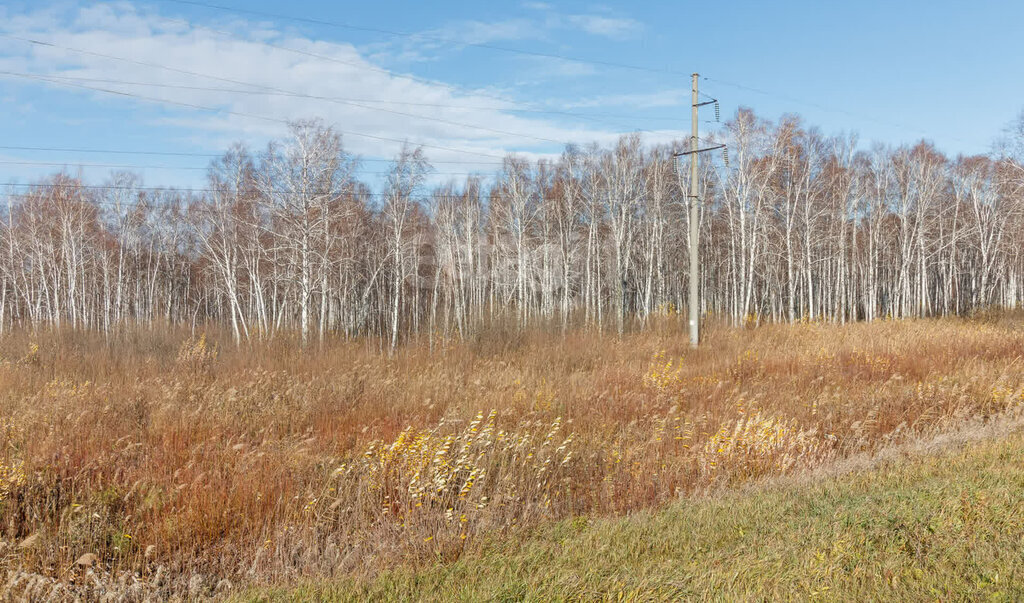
(725, 155)
(718, 112)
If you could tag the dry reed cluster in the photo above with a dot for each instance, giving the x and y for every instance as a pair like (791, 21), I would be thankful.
(160, 464)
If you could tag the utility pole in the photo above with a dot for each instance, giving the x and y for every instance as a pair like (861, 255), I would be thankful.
(694, 297)
(694, 227)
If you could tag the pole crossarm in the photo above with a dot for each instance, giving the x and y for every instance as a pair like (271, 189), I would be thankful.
(704, 150)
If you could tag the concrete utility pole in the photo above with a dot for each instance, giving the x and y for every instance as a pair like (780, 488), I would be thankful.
(694, 298)
(694, 229)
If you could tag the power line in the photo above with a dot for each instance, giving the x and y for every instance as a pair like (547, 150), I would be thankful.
(364, 66)
(241, 83)
(822, 107)
(241, 114)
(51, 78)
(187, 154)
(172, 189)
(78, 164)
(378, 69)
(423, 36)
(359, 100)
(59, 80)
(551, 55)
(381, 70)
(65, 80)
(756, 90)
(307, 96)
(218, 155)
(155, 188)
(368, 67)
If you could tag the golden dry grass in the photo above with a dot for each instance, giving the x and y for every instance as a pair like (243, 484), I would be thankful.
(191, 467)
(940, 524)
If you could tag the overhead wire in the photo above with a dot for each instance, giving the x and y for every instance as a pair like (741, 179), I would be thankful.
(242, 83)
(360, 100)
(300, 95)
(269, 90)
(589, 117)
(58, 80)
(786, 97)
(525, 107)
(822, 107)
(197, 190)
(165, 189)
(424, 36)
(77, 164)
(644, 68)
(337, 24)
(381, 70)
(191, 154)
(244, 114)
(279, 91)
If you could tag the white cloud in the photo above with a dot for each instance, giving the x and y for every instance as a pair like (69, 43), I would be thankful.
(542, 70)
(648, 100)
(547, 24)
(618, 28)
(426, 45)
(374, 107)
(609, 27)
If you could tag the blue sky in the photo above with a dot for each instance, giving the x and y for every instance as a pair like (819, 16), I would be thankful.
(950, 72)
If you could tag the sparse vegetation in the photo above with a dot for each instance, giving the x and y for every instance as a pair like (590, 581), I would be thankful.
(159, 463)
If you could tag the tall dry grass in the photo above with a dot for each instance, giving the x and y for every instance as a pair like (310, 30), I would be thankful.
(156, 463)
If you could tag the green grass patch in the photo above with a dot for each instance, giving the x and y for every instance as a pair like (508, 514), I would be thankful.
(947, 527)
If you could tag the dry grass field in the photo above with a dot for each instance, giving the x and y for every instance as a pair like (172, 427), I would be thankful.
(156, 464)
(940, 521)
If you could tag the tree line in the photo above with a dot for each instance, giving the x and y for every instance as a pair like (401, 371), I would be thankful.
(798, 226)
